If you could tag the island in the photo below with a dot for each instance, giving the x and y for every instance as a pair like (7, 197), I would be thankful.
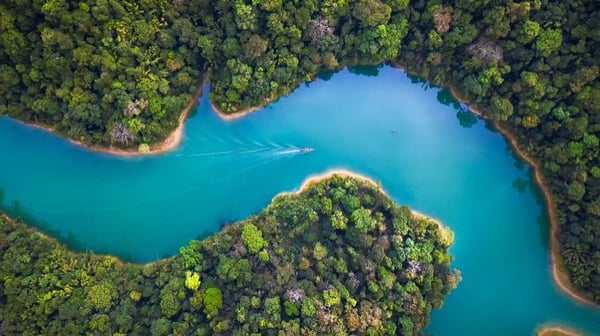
(336, 258)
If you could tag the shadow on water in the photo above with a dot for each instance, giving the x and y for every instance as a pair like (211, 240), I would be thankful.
(363, 70)
(542, 220)
(520, 185)
(366, 70)
(68, 239)
(326, 75)
(519, 163)
(465, 118)
(445, 98)
(16, 211)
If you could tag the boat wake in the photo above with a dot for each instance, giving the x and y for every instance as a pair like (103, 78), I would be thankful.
(260, 150)
(296, 151)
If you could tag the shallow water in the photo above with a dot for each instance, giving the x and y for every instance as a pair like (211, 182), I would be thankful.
(427, 151)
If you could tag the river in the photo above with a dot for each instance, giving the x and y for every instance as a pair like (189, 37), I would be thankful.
(427, 151)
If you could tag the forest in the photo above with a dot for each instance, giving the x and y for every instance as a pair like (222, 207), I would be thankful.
(339, 258)
(118, 73)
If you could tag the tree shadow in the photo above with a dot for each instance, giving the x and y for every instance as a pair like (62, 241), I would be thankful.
(366, 70)
(17, 212)
(520, 185)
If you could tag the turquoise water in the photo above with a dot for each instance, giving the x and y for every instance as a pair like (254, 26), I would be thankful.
(427, 151)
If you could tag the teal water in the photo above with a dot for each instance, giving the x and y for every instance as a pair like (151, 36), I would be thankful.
(427, 151)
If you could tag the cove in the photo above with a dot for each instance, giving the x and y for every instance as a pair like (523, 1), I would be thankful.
(427, 151)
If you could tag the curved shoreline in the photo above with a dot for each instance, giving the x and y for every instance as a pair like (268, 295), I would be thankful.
(316, 178)
(308, 182)
(560, 278)
(547, 331)
(170, 143)
(239, 114)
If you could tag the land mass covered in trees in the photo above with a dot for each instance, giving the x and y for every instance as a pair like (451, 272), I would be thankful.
(337, 258)
(118, 73)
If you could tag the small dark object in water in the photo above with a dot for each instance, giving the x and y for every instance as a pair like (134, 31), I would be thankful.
(394, 131)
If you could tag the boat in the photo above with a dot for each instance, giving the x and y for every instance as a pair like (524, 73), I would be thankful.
(306, 150)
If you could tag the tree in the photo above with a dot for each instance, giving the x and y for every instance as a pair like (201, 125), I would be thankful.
(501, 108)
(363, 222)
(252, 238)
(192, 280)
(255, 47)
(575, 191)
(319, 251)
(101, 296)
(528, 32)
(548, 41)
(338, 220)
(213, 301)
(372, 13)
(169, 305)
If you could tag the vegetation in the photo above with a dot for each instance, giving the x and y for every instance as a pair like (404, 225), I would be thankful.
(102, 72)
(108, 72)
(315, 280)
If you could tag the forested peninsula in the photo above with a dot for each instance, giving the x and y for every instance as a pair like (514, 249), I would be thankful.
(337, 258)
(118, 73)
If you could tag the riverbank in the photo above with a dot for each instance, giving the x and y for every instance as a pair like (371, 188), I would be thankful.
(556, 331)
(239, 114)
(561, 279)
(170, 143)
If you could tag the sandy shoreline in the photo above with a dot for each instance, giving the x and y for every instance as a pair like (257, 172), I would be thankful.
(547, 331)
(167, 145)
(307, 183)
(560, 278)
(173, 140)
(239, 114)
(316, 178)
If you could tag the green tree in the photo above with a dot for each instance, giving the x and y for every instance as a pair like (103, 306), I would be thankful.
(213, 301)
(253, 238)
(101, 296)
(319, 251)
(169, 304)
(255, 47)
(575, 191)
(549, 41)
(338, 220)
(528, 32)
(372, 13)
(192, 280)
(501, 108)
(363, 221)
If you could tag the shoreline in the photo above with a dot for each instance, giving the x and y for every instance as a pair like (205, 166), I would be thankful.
(170, 143)
(308, 182)
(173, 140)
(239, 114)
(547, 331)
(560, 278)
(311, 180)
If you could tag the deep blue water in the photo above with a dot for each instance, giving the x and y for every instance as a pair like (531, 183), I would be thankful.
(427, 151)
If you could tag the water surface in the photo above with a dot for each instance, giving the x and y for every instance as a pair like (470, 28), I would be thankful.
(427, 151)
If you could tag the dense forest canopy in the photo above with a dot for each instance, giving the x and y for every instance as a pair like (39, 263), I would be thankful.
(112, 72)
(339, 258)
